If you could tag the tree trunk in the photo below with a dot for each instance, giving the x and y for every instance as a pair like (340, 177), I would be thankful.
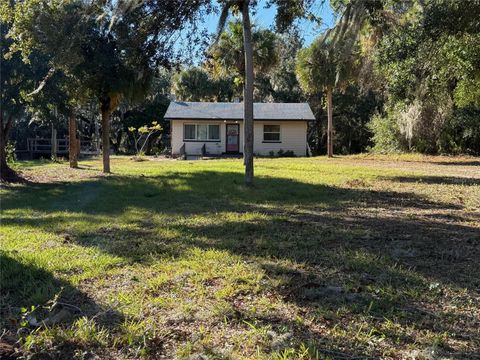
(105, 109)
(72, 142)
(53, 142)
(248, 95)
(6, 173)
(330, 122)
(97, 136)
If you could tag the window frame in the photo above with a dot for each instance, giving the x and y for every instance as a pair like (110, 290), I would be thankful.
(279, 132)
(195, 132)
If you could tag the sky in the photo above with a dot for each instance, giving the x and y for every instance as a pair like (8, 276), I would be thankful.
(265, 18)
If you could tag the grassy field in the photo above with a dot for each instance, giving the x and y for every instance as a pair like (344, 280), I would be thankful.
(345, 258)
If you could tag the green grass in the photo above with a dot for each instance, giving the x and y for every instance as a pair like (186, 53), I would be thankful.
(352, 257)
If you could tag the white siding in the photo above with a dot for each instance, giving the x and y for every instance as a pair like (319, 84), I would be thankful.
(195, 147)
(293, 136)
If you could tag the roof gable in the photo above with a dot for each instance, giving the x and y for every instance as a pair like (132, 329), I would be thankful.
(234, 111)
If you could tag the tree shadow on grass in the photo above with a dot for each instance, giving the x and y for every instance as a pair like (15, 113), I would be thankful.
(375, 253)
(438, 180)
(383, 222)
(457, 163)
(193, 193)
(32, 299)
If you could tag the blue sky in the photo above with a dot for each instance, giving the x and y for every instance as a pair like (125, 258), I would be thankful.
(265, 17)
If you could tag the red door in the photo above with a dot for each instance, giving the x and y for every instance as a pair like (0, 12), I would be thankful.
(233, 138)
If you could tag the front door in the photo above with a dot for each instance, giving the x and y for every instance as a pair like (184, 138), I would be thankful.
(233, 138)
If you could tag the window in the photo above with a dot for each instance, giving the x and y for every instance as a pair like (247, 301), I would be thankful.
(271, 133)
(201, 132)
(189, 132)
(213, 132)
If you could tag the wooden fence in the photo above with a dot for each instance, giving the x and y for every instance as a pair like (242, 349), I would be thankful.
(44, 146)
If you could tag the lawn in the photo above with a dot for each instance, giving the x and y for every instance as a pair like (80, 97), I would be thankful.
(351, 257)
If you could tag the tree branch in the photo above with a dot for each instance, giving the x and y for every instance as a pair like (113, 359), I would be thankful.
(43, 83)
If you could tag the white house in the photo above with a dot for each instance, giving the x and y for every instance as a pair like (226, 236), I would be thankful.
(217, 128)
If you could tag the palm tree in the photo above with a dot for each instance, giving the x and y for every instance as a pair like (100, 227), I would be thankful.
(243, 7)
(226, 57)
(316, 73)
(329, 63)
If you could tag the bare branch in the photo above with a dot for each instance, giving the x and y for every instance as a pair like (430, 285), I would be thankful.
(43, 83)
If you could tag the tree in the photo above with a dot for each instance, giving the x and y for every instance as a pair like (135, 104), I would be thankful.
(111, 48)
(237, 50)
(243, 7)
(196, 84)
(283, 80)
(226, 58)
(15, 77)
(330, 62)
(287, 12)
(428, 59)
(319, 70)
(143, 133)
(55, 103)
(192, 84)
(151, 108)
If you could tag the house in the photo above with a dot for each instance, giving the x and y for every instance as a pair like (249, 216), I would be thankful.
(217, 128)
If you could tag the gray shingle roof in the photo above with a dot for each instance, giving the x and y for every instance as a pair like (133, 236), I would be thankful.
(234, 111)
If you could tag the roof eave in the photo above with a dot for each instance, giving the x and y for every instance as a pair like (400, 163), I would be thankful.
(233, 119)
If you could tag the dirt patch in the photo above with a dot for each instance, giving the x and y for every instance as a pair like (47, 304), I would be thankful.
(59, 174)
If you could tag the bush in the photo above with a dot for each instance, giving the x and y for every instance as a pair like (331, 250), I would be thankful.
(427, 128)
(461, 133)
(287, 153)
(386, 134)
(10, 152)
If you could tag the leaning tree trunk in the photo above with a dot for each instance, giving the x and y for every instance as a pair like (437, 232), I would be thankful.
(248, 95)
(72, 142)
(6, 172)
(106, 110)
(330, 122)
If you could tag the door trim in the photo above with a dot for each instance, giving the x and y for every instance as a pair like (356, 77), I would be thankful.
(226, 139)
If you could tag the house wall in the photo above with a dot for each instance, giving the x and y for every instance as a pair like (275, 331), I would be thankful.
(293, 136)
(195, 147)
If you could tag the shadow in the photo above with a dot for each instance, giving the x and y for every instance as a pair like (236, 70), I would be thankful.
(194, 193)
(374, 253)
(32, 298)
(456, 163)
(290, 210)
(439, 180)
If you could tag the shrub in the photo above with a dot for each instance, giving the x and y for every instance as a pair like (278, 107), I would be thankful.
(386, 134)
(10, 152)
(287, 153)
(461, 133)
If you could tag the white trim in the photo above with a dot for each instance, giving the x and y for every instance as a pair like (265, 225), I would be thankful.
(279, 132)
